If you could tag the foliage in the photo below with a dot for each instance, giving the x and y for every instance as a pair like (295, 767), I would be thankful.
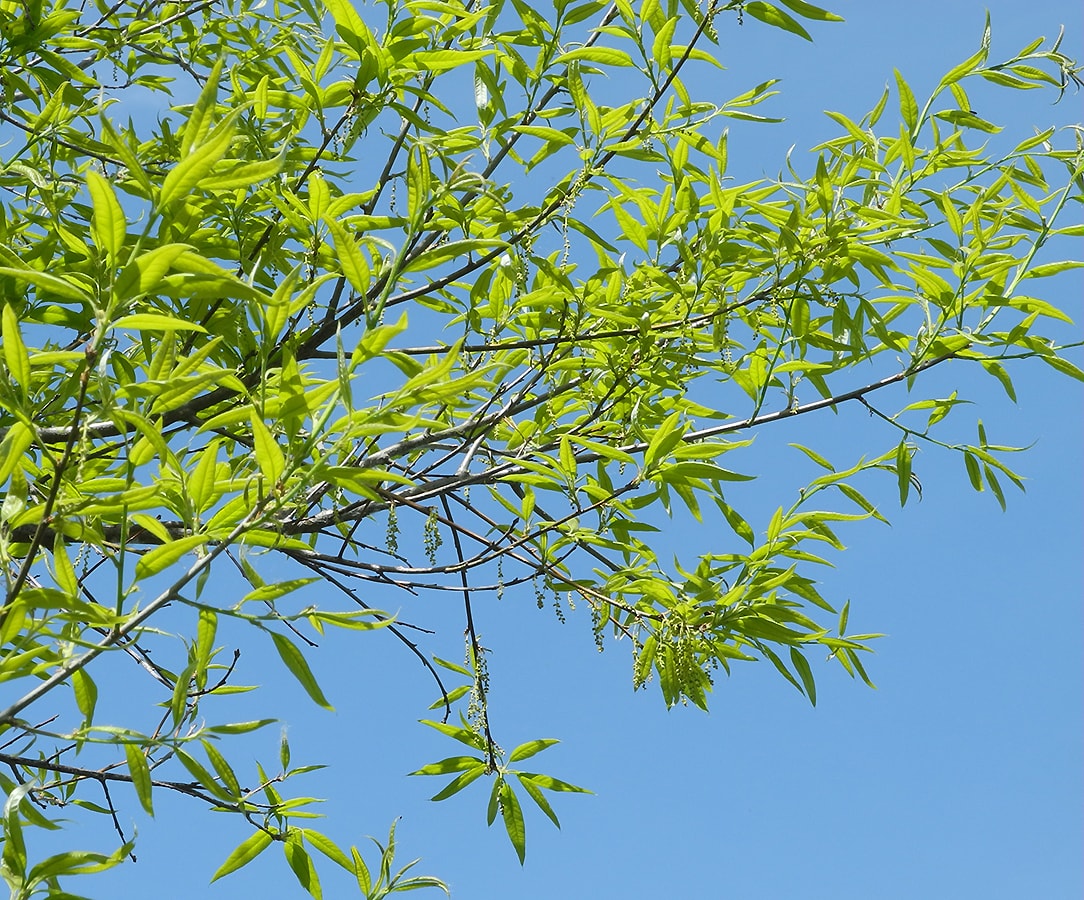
(276, 300)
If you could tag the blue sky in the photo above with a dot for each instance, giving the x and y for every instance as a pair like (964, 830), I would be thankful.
(959, 777)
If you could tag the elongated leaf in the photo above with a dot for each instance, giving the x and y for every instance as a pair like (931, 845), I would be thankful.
(86, 693)
(908, 106)
(773, 15)
(161, 558)
(108, 225)
(523, 751)
(349, 24)
(809, 11)
(353, 263)
(141, 776)
(539, 798)
(56, 284)
(607, 56)
(463, 735)
(156, 322)
(244, 853)
(15, 353)
(554, 784)
(903, 471)
(269, 455)
(297, 664)
(184, 177)
(449, 765)
(301, 864)
(512, 814)
(801, 666)
(222, 768)
(327, 847)
(146, 271)
(459, 782)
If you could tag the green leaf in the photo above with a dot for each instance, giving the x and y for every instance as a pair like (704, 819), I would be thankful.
(244, 853)
(300, 862)
(185, 177)
(353, 263)
(554, 784)
(463, 735)
(86, 693)
(667, 436)
(141, 775)
(513, 820)
(445, 60)
(606, 56)
(523, 751)
(13, 449)
(56, 284)
(161, 558)
(156, 322)
(809, 11)
(205, 778)
(200, 484)
(460, 781)
(494, 801)
(801, 666)
(973, 472)
(295, 661)
(773, 15)
(1054, 268)
(144, 273)
(15, 353)
(108, 226)
(539, 798)
(349, 24)
(222, 768)
(903, 470)
(908, 106)
(328, 847)
(269, 455)
(451, 764)
(1055, 362)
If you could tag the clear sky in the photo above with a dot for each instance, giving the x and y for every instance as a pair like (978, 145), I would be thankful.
(959, 777)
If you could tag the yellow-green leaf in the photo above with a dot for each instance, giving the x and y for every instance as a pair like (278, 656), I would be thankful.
(244, 853)
(156, 322)
(107, 225)
(184, 177)
(15, 355)
(352, 260)
(297, 664)
(141, 776)
(268, 453)
(161, 558)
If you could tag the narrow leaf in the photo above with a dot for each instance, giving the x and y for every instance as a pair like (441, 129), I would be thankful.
(244, 853)
(295, 661)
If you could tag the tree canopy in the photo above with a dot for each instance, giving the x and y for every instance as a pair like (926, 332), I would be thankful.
(457, 299)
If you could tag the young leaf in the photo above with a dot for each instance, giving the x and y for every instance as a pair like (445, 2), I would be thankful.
(86, 693)
(269, 455)
(513, 820)
(295, 661)
(161, 558)
(773, 15)
(903, 470)
(108, 226)
(801, 666)
(15, 354)
(244, 853)
(141, 775)
(538, 797)
(531, 748)
(185, 177)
